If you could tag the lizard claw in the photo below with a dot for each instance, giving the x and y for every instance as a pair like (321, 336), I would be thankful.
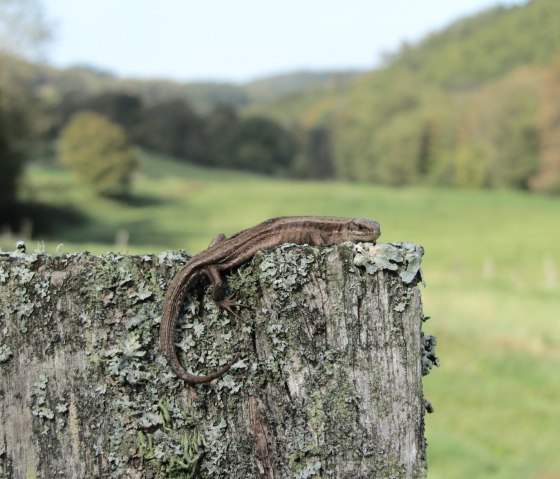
(228, 304)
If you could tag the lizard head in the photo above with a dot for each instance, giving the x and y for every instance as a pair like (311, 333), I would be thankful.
(362, 229)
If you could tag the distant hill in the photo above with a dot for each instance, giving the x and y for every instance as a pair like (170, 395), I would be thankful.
(272, 87)
(461, 107)
(485, 46)
(204, 96)
(466, 54)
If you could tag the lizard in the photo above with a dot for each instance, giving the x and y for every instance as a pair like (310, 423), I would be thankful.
(224, 253)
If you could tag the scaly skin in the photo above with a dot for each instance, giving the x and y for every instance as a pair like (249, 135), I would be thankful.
(226, 253)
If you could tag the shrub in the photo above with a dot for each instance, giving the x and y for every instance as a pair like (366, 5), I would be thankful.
(99, 153)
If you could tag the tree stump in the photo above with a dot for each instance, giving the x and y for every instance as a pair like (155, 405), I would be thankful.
(328, 383)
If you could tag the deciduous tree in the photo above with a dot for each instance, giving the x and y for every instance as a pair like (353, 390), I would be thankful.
(548, 177)
(99, 153)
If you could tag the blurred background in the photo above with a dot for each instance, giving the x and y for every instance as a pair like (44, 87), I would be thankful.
(140, 126)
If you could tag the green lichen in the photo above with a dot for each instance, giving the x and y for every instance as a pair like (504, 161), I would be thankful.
(40, 405)
(175, 450)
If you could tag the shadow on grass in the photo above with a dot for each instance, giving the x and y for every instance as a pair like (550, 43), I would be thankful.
(45, 219)
(136, 201)
(65, 223)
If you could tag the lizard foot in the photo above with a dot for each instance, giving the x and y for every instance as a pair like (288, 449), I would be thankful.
(229, 303)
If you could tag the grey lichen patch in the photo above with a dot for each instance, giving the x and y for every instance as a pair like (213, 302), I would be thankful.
(39, 405)
(47, 407)
(406, 258)
(286, 268)
(4, 275)
(5, 353)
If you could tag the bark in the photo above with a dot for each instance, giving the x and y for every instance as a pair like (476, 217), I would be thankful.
(328, 383)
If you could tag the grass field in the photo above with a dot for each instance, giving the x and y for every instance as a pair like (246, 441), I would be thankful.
(492, 266)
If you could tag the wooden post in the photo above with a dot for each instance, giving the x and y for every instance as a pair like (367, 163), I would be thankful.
(328, 383)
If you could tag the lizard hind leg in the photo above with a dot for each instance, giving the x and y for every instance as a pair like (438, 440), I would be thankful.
(219, 292)
(219, 238)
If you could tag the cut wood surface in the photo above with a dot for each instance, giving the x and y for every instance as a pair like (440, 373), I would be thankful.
(328, 383)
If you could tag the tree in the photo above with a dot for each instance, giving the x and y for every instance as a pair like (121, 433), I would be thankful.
(260, 144)
(217, 126)
(548, 177)
(99, 152)
(315, 157)
(174, 128)
(24, 30)
(120, 107)
(12, 150)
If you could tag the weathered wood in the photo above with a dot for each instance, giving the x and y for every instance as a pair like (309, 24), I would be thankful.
(328, 385)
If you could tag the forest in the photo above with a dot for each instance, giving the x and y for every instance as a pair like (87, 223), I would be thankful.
(476, 105)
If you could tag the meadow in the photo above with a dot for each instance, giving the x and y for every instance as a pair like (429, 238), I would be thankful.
(492, 267)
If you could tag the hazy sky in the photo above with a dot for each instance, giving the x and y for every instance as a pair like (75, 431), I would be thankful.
(239, 40)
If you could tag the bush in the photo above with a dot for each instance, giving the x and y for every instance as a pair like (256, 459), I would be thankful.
(99, 153)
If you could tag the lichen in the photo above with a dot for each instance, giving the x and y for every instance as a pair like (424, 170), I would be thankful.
(137, 418)
(406, 258)
(429, 358)
(5, 353)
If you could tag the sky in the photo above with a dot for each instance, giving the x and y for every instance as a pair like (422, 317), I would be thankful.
(241, 40)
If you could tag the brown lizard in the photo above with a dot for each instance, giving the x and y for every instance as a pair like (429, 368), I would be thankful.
(226, 253)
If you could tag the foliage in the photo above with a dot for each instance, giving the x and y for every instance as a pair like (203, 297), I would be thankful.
(459, 108)
(20, 116)
(23, 31)
(12, 152)
(548, 178)
(173, 127)
(483, 47)
(315, 156)
(259, 144)
(464, 107)
(98, 152)
(218, 126)
(118, 106)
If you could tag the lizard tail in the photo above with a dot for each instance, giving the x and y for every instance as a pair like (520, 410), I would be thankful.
(171, 310)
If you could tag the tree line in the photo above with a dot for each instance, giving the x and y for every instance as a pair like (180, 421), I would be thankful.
(220, 138)
(476, 105)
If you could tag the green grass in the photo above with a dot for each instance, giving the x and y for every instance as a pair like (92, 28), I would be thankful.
(492, 267)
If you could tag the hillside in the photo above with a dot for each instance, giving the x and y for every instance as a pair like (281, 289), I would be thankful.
(203, 96)
(486, 46)
(463, 107)
(473, 105)
(279, 86)
(469, 52)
